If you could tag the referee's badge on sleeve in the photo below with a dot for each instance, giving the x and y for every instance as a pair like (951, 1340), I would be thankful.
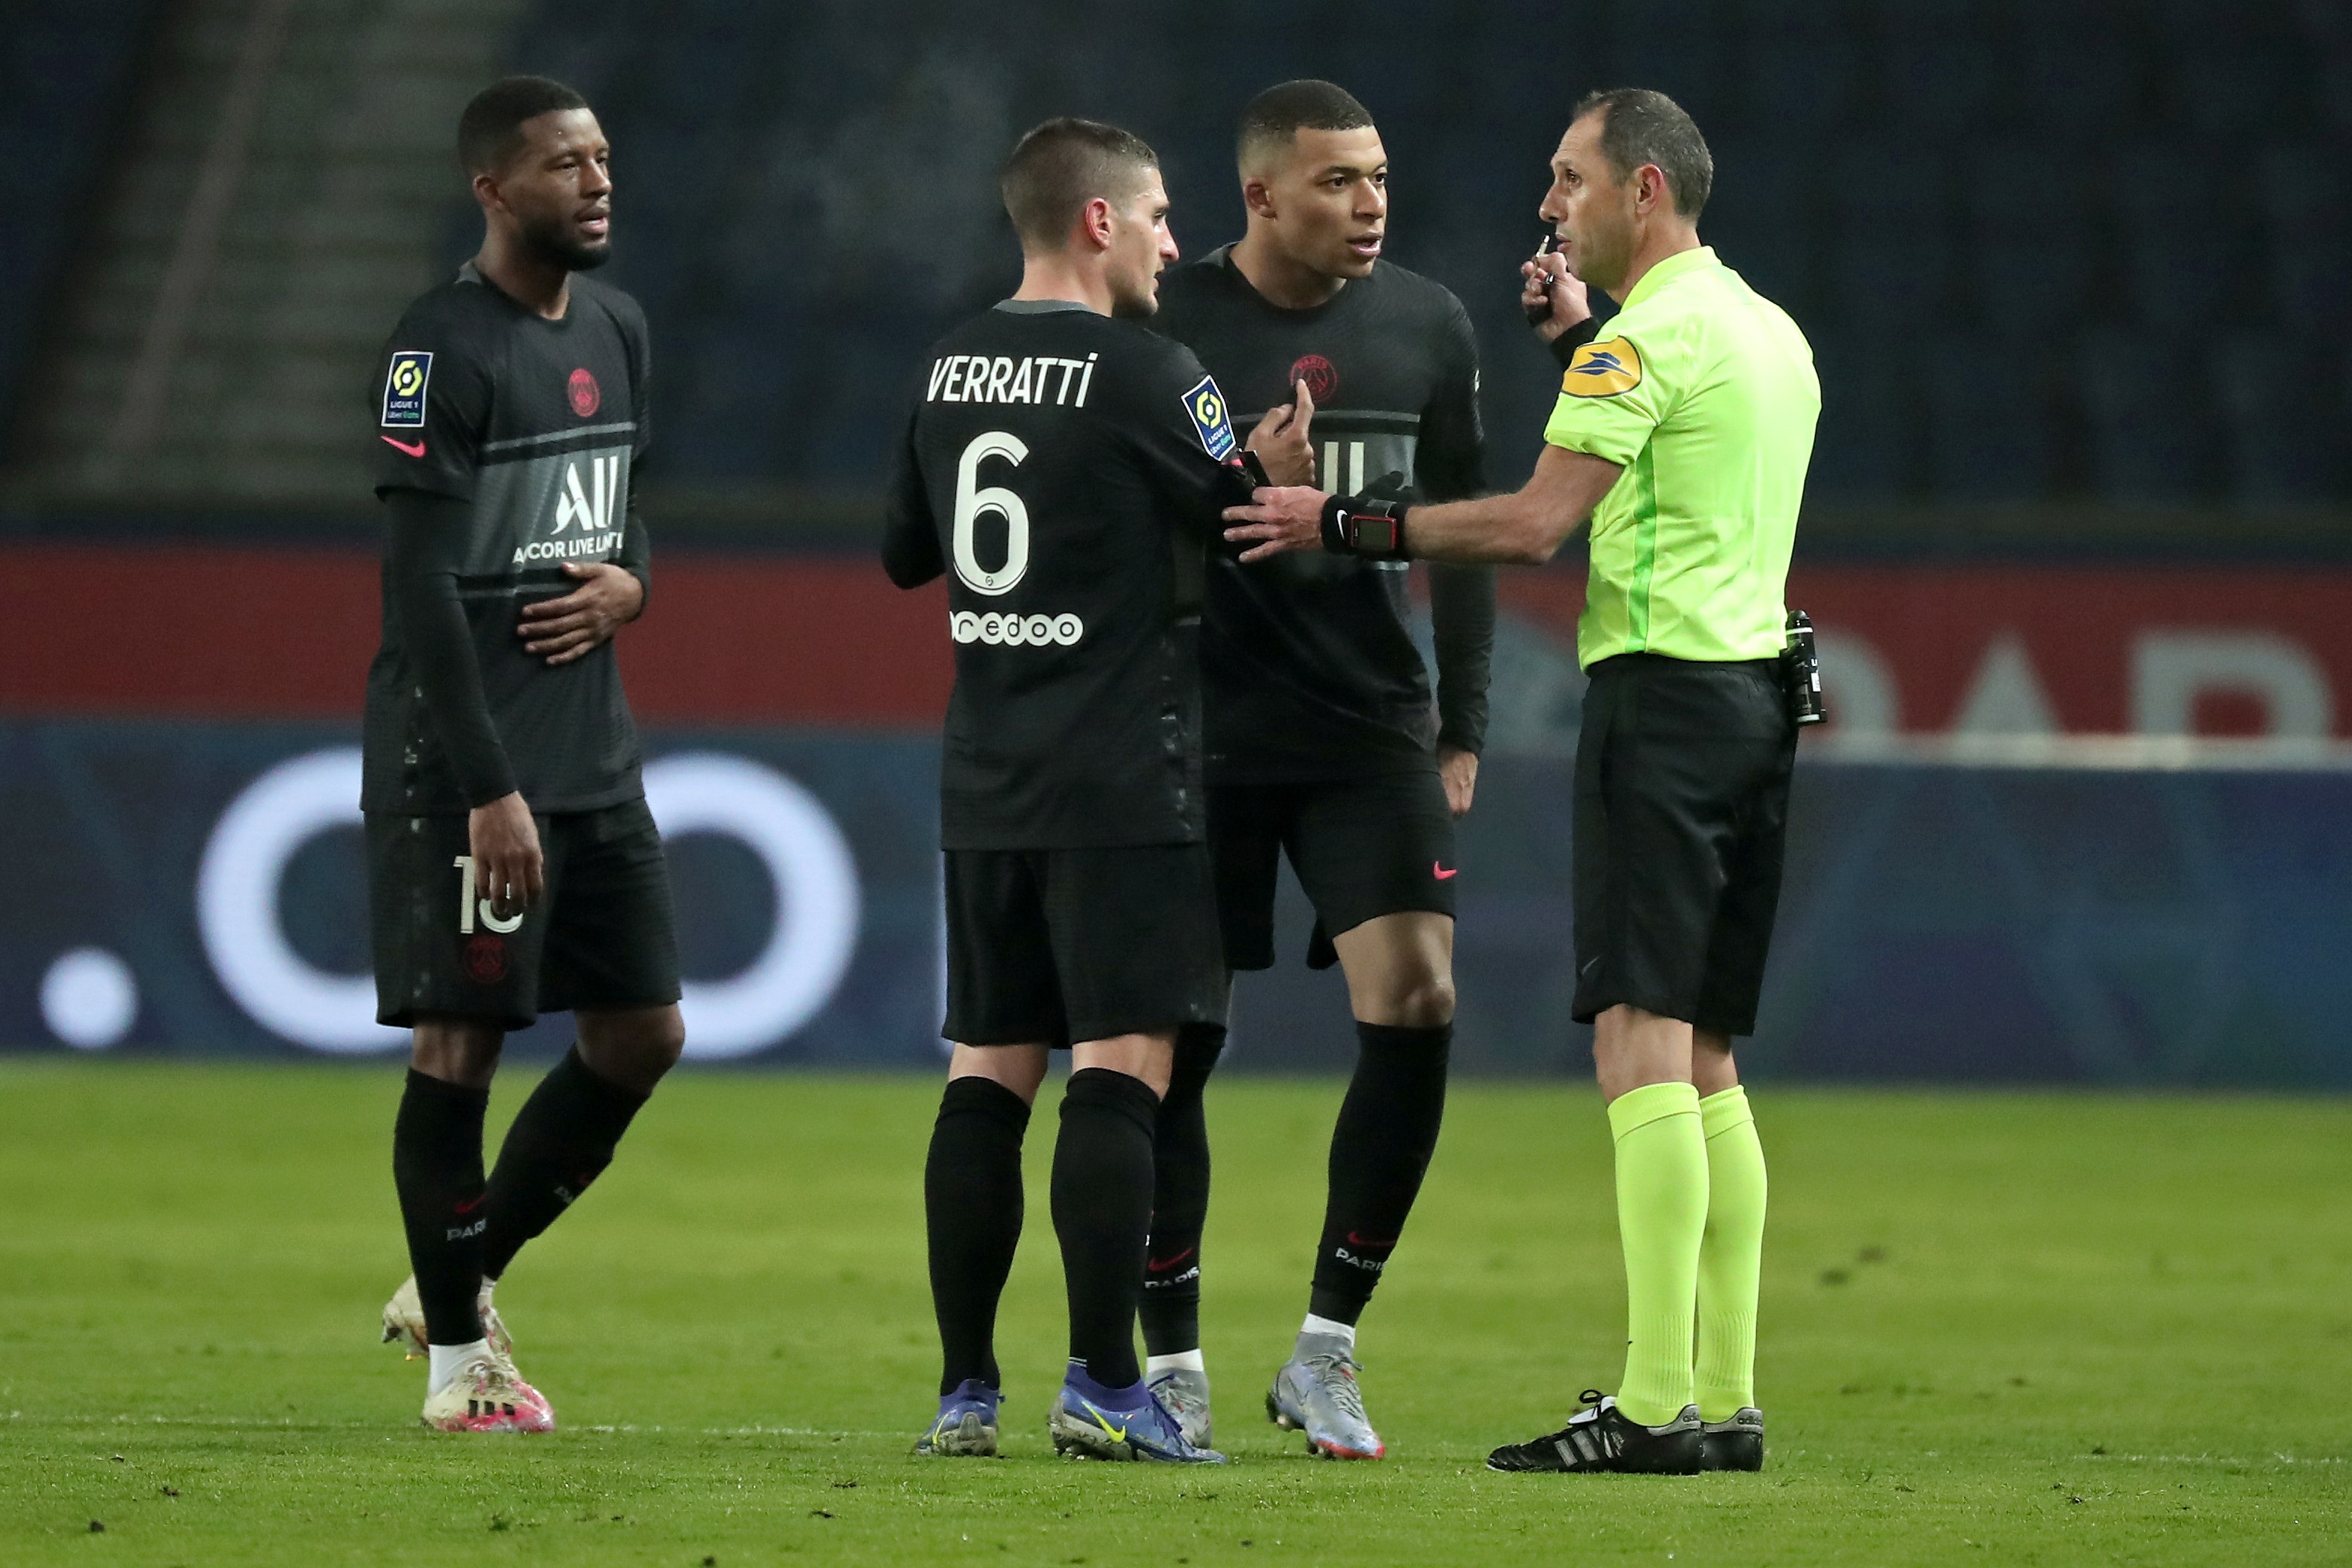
(1603, 370)
(1205, 405)
(403, 389)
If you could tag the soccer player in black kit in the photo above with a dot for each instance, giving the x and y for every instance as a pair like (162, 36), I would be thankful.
(512, 865)
(1064, 468)
(1320, 742)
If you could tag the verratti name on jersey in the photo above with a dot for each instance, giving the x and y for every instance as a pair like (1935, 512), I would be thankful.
(994, 378)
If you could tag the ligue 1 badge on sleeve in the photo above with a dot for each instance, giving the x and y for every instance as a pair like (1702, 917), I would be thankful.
(1211, 419)
(403, 389)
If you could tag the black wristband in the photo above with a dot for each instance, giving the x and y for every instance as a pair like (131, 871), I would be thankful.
(1366, 527)
(1563, 347)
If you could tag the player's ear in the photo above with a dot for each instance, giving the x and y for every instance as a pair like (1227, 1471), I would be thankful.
(486, 192)
(1256, 195)
(1094, 222)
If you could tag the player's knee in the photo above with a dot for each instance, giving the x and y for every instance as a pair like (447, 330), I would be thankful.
(666, 1043)
(633, 1049)
(661, 1044)
(1429, 1004)
(1421, 1000)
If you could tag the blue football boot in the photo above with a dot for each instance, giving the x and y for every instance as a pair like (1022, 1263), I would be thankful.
(967, 1423)
(1091, 1422)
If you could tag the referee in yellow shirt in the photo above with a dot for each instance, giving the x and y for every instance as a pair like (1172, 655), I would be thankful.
(1684, 434)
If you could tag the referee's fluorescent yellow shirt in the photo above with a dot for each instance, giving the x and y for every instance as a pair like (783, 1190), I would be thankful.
(1705, 391)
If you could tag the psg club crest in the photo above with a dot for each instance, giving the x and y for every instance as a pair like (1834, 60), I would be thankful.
(584, 392)
(486, 960)
(1321, 376)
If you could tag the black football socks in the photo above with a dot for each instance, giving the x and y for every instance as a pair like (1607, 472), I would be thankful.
(1102, 1213)
(1381, 1149)
(562, 1141)
(1180, 1200)
(436, 1165)
(973, 1210)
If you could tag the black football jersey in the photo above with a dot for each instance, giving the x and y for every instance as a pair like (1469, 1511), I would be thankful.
(1308, 658)
(538, 427)
(1065, 471)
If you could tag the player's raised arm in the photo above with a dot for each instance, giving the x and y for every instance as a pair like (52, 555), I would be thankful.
(1283, 438)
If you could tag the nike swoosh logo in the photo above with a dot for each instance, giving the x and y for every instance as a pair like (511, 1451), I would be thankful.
(1117, 1432)
(1357, 1238)
(1441, 874)
(415, 451)
(1154, 1267)
(467, 1205)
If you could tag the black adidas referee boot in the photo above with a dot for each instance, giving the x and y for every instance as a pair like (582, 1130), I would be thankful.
(1603, 1438)
(1734, 1445)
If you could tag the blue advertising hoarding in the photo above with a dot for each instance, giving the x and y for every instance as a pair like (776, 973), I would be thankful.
(197, 889)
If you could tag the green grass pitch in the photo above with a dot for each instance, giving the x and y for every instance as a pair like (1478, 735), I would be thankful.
(2050, 1328)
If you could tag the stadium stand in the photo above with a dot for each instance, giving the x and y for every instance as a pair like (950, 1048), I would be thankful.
(68, 63)
(2040, 244)
(2002, 224)
(272, 203)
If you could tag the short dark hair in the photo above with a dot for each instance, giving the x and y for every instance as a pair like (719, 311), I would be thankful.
(1063, 164)
(1279, 114)
(1643, 126)
(490, 130)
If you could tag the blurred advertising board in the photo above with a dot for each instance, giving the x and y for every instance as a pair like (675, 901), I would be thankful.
(196, 888)
(178, 787)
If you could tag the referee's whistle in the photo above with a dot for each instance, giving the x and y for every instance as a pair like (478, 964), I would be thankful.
(1541, 312)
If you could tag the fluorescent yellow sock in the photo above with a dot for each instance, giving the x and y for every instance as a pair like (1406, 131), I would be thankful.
(1661, 1214)
(1731, 1257)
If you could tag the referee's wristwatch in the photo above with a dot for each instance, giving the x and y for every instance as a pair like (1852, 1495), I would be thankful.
(1364, 526)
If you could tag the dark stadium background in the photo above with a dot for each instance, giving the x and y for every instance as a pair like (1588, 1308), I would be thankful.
(2079, 535)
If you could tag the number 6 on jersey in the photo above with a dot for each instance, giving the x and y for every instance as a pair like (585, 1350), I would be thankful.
(972, 504)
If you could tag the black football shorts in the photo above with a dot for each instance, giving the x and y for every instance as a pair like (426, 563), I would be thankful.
(1362, 847)
(1681, 809)
(1052, 946)
(602, 936)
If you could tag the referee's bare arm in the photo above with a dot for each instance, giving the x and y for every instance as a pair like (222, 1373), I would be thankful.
(1526, 528)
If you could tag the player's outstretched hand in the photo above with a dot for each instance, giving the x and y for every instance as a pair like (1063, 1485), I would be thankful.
(1290, 518)
(508, 869)
(1283, 443)
(561, 630)
(1546, 280)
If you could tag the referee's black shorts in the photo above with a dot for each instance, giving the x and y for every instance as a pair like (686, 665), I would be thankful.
(1375, 845)
(603, 936)
(1681, 809)
(1054, 946)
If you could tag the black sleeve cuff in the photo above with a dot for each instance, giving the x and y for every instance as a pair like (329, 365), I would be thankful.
(1563, 347)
